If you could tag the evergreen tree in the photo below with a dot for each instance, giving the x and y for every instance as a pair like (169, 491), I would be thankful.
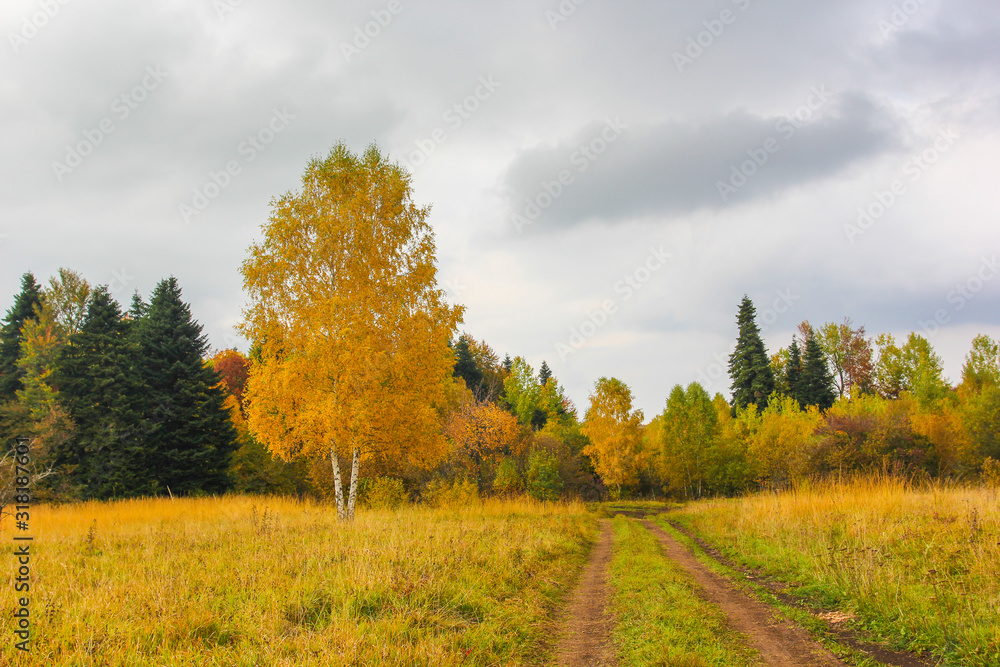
(544, 373)
(23, 310)
(106, 457)
(189, 433)
(793, 372)
(466, 366)
(508, 363)
(749, 365)
(816, 382)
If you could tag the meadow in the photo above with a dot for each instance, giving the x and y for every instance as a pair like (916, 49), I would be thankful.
(247, 580)
(916, 567)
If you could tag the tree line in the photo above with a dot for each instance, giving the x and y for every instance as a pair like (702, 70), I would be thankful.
(359, 387)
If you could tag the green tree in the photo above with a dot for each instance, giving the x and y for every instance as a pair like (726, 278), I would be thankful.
(815, 385)
(544, 373)
(544, 481)
(189, 435)
(689, 428)
(523, 393)
(849, 353)
(25, 304)
(982, 364)
(749, 366)
(95, 375)
(467, 368)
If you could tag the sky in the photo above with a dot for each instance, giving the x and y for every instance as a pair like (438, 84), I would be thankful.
(607, 179)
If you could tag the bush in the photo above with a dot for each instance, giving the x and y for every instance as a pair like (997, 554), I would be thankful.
(508, 481)
(544, 482)
(440, 493)
(382, 493)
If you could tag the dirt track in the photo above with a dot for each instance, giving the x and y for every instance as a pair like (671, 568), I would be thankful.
(585, 636)
(780, 642)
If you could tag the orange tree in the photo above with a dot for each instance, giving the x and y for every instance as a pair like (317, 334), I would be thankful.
(347, 320)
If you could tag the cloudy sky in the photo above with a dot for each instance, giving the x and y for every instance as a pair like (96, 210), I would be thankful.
(607, 178)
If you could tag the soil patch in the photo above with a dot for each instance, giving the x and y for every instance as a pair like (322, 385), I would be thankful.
(585, 633)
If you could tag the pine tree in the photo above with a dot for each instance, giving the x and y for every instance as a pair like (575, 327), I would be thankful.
(816, 381)
(95, 374)
(749, 365)
(23, 310)
(793, 373)
(189, 434)
(466, 366)
(544, 373)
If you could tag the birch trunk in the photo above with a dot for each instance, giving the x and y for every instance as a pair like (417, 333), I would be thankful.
(355, 464)
(337, 488)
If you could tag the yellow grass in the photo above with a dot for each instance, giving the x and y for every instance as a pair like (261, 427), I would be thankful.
(274, 581)
(916, 567)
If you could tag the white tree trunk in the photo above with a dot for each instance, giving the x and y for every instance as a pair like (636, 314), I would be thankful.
(337, 487)
(355, 464)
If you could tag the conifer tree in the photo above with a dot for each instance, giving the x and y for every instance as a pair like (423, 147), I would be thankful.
(749, 365)
(95, 375)
(10, 335)
(188, 432)
(793, 373)
(816, 381)
(466, 366)
(544, 373)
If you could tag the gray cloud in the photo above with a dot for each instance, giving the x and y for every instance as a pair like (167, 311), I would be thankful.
(674, 168)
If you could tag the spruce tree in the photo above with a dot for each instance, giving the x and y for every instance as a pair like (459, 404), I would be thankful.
(816, 381)
(23, 310)
(544, 373)
(189, 433)
(106, 456)
(749, 365)
(793, 373)
(466, 366)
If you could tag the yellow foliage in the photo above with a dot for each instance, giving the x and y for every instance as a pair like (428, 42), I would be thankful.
(351, 329)
(777, 439)
(614, 431)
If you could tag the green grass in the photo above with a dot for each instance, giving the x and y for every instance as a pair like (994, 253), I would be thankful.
(660, 618)
(917, 569)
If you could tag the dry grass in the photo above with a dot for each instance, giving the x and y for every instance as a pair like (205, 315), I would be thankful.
(273, 581)
(918, 568)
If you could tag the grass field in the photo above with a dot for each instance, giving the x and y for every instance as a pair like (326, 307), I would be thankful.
(273, 581)
(918, 568)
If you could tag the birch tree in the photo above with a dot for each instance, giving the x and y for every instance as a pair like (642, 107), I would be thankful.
(351, 328)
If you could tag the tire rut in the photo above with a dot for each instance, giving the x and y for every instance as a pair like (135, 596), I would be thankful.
(585, 632)
(780, 642)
